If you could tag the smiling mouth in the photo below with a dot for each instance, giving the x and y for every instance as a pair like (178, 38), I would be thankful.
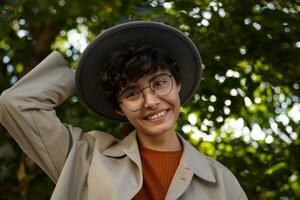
(157, 115)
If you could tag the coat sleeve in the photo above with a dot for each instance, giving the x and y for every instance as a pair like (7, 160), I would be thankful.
(27, 112)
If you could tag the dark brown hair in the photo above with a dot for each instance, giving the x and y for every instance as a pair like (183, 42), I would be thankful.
(130, 64)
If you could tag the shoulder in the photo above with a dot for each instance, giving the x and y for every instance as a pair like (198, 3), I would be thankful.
(226, 178)
(211, 170)
(220, 170)
(197, 159)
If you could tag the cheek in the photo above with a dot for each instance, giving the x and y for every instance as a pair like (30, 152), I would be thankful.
(175, 101)
(132, 117)
(178, 106)
(176, 96)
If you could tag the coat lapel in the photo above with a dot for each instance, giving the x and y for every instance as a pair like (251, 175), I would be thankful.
(128, 146)
(192, 163)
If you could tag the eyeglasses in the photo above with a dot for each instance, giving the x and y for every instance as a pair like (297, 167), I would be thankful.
(132, 98)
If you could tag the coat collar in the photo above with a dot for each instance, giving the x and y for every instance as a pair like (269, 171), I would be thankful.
(128, 146)
(191, 158)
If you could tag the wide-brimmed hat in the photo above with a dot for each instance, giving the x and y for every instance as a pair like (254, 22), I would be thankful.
(169, 39)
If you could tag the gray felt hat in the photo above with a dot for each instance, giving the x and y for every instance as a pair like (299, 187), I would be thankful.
(172, 41)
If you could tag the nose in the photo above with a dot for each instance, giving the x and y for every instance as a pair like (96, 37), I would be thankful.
(150, 99)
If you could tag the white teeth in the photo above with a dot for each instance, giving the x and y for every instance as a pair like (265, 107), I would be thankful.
(157, 115)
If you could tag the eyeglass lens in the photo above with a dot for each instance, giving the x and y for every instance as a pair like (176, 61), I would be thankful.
(160, 85)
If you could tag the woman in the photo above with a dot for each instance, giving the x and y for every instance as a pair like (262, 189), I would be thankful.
(139, 72)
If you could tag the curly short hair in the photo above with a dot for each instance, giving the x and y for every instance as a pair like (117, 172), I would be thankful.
(131, 63)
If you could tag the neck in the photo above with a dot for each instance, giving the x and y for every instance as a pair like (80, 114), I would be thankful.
(160, 142)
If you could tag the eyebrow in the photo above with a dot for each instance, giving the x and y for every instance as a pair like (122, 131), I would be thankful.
(157, 75)
(130, 87)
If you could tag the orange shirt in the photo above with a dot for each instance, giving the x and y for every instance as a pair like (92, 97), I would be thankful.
(158, 170)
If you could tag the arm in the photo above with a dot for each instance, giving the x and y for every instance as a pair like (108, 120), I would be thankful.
(27, 112)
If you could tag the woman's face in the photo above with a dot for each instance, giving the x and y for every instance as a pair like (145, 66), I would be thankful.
(157, 114)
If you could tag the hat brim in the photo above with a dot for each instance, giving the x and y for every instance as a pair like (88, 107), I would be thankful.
(172, 41)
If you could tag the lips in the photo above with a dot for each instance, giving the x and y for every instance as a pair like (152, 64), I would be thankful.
(156, 115)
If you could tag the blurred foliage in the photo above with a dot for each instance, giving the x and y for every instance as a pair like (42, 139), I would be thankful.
(246, 112)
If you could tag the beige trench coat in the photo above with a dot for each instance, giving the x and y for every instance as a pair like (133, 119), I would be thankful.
(95, 165)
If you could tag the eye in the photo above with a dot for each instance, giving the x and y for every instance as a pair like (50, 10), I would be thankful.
(159, 82)
(131, 95)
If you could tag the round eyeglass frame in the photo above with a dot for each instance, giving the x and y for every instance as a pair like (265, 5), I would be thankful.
(151, 89)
